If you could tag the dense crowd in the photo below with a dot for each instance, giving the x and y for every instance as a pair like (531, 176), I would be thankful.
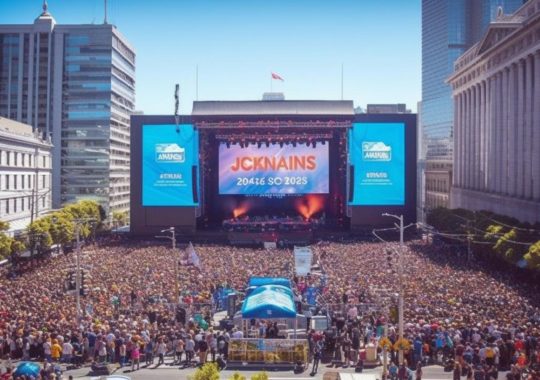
(454, 309)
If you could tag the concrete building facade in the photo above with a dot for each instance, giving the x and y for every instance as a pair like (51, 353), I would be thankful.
(25, 174)
(449, 28)
(496, 94)
(75, 83)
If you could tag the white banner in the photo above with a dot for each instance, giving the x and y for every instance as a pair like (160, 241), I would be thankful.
(302, 260)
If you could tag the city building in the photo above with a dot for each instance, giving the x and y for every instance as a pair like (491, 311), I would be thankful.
(25, 174)
(496, 94)
(387, 108)
(449, 28)
(75, 83)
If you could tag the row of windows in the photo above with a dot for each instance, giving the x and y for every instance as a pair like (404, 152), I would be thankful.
(24, 160)
(21, 204)
(22, 182)
(438, 185)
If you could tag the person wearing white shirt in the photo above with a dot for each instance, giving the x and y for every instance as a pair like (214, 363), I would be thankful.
(67, 352)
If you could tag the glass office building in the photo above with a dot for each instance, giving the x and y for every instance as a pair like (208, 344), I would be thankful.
(449, 28)
(75, 83)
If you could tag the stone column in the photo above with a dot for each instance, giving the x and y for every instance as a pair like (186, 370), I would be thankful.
(519, 130)
(504, 131)
(456, 150)
(511, 127)
(476, 136)
(528, 129)
(467, 167)
(536, 130)
(482, 138)
(460, 141)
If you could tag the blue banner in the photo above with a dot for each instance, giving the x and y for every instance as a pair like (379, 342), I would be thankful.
(377, 152)
(168, 156)
(311, 295)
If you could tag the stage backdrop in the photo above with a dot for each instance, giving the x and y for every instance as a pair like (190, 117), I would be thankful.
(275, 169)
(168, 159)
(377, 152)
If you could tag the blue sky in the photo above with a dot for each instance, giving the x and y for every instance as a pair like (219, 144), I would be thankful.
(237, 43)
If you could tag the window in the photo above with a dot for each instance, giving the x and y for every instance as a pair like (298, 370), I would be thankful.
(7, 206)
(43, 181)
(44, 161)
(43, 202)
(22, 181)
(15, 181)
(29, 181)
(7, 181)
(15, 205)
(8, 156)
(16, 161)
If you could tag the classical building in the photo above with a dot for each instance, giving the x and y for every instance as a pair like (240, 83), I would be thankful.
(25, 174)
(449, 28)
(75, 83)
(496, 93)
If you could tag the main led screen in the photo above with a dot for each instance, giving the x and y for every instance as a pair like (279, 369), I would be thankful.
(377, 153)
(273, 170)
(169, 155)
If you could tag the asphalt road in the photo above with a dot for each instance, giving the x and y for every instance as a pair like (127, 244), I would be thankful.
(166, 372)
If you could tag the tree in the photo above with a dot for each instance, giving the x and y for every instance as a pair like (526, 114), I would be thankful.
(260, 376)
(4, 226)
(62, 230)
(237, 376)
(209, 371)
(39, 235)
(533, 256)
(120, 218)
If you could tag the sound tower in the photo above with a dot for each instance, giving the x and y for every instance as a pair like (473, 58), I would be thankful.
(194, 184)
(351, 183)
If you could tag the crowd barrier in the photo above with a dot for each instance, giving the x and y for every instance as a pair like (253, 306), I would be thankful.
(268, 351)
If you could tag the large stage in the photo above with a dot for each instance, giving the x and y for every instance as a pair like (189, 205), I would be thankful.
(271, 171)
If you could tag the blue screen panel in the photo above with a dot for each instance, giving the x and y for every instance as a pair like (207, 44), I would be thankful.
(168, 156)
(377, 152)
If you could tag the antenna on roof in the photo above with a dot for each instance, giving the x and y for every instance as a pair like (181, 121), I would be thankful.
(105, 20)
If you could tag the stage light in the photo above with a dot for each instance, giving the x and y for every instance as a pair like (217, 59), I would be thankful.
(314, 144)
(267, 144)
(323, 142)
(259, 144)
(228, 145)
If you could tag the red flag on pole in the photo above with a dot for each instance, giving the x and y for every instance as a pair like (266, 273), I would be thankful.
(275, 76)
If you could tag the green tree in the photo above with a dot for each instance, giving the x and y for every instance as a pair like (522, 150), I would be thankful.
(533, 256)
(120, 218)
(39, 234)
(5, 245)
(209, 371)
(4, 226)
(237, 376)
(260, 376)
(62, 229)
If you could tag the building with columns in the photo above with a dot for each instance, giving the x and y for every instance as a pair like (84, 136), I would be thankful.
(449, 29)
(496, 94)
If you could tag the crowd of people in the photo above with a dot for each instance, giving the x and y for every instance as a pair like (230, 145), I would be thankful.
(454, 309)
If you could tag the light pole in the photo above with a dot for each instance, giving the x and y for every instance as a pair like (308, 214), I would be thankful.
(77, 223)
(400, 275)
(173, 240)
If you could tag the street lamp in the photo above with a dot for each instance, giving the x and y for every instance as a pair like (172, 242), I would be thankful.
(78, 223)
(172, 231)
(400, 275)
